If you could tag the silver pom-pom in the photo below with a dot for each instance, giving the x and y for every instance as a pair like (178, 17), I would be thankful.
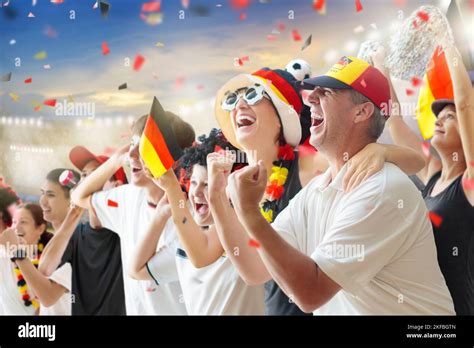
(412, 47)
(367, 48)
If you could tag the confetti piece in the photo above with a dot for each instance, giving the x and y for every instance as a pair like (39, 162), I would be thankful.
(436, 220)
(185, 4)
(281, 26)
(296, 35)
(47, 66)
(239, 4)
(50, 102)
(57, 1)
(307, 42)
(272, 37)
(423, 16)
(359, 29)
(153, 6)
(160, 44)
(400, 3)
(122, 86)
(245, 58)
(40, 55)
(13, 96)
(12, 42)
(320, 6)
(243, 16)
(31, 15)
(425, 146)
(37, 108)
(416, 82)
(254, 243)
(152, 19)
(29, 80)
(179, 82)
(96, 5)
(358, 5)
(200, 87)
(7, 77)
(105, 48)
(409, 92)
(468, 184)
(104, 8)
(50, 32)
(137, 64)
(70, 99)
(112, 203)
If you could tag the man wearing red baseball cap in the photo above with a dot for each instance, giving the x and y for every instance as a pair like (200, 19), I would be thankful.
(366, 251)
(93, 252)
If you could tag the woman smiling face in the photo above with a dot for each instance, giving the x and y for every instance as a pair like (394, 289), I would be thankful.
(255, 125)
(25, 226)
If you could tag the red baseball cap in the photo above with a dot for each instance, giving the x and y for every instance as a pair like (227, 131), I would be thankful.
(354, 73)
(80, 156)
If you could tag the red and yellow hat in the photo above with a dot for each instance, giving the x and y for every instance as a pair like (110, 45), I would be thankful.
(281, 87)
(354, 73)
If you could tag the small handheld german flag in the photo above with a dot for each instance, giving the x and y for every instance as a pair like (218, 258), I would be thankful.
(158, 146)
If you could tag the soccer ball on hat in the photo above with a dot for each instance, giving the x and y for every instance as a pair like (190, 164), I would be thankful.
(299, 68)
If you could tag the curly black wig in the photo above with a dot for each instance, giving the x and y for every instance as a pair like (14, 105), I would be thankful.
(7, 198)
(197, 154)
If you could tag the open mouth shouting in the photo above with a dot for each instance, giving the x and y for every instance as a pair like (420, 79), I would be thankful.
(317, 120)
(201, 208)
(245, 121)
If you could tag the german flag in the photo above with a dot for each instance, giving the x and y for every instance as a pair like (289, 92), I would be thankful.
(158, 146)
(437, 85)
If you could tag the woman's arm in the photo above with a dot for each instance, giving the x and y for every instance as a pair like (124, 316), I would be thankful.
(47, 291)
(146, 248)
(232, 234)
(464, 101)
(372, 157)
(202, 246)
(54, 250)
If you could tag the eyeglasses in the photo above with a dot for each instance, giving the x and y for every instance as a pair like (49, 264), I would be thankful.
(252, 95)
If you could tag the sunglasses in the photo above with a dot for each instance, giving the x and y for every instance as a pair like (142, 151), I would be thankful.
(252, 95)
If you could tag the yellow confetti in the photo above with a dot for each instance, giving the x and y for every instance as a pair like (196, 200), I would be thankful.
(160, 44)
(40, 55)
(13, 96)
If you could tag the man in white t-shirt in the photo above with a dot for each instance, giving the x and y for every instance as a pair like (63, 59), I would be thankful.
(128, 210)
(367, 251)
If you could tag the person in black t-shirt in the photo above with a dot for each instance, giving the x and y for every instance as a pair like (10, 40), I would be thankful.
(93, 252)
(449, 190)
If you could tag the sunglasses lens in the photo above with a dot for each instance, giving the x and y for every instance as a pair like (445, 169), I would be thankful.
(252, 96)
(229, 101)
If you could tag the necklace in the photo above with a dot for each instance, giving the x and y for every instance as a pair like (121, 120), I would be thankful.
(21, 283)
(276, 181)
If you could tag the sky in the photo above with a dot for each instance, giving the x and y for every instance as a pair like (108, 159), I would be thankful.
(196, 59)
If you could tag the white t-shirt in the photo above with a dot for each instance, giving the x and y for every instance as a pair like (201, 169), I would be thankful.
(376, 242)
(63, 306)
(10, 297)
(130, 220)
(216, 289)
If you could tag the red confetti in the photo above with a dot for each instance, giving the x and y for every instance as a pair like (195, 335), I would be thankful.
(409, 91)
(272, 37)
(281, 26)
(112, 203)
(296, 35)
(37, 108)
(400, 3)
(239, 4)
(318, 5)
(416, 82)
(415, 25)
(358, 6)
(50, 102)
(245, 58)
(426, 148)
(436, 220)
(28, 80)
(243, 16)
(105, 48)
(139, 60)
(254, 243)
(179, 82)
(468, 184)
(153, 6)
(423, 16)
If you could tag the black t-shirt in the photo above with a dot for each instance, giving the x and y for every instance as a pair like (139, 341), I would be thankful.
(276, 301)
(454, 239)
(97, 277)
